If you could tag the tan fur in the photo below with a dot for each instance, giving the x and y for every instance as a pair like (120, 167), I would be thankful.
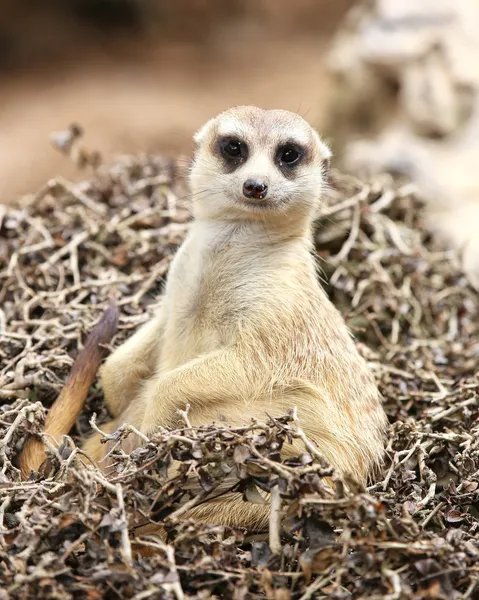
(244, 328)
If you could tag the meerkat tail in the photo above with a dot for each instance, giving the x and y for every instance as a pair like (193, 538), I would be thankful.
(66, 408)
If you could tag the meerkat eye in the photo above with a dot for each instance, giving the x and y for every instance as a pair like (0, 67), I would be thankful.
(232, 148)
(288, 155)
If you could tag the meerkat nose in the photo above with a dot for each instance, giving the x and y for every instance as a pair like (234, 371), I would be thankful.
(252, 188)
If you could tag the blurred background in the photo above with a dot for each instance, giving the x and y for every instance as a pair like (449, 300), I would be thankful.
(391, 84)
(142, 75)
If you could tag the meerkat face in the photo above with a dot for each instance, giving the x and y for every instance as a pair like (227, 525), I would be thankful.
(254, 163)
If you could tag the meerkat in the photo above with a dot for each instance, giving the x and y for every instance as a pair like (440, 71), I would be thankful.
(244, 328)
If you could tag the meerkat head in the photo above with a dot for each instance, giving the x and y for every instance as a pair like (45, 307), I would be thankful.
(252, 163)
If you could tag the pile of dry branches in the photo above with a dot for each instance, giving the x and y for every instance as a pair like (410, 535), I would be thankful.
(67, 249)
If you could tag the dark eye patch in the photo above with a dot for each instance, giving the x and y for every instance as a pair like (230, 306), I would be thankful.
(233, 151)
(288, 156)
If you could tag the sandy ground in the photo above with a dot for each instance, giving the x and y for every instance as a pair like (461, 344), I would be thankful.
(152, 105)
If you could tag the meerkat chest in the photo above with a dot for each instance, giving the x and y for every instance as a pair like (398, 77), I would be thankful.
(202, 306)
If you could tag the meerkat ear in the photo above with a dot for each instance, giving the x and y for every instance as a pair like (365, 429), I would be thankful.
(324, 149)
(324, 152)
(202, 132)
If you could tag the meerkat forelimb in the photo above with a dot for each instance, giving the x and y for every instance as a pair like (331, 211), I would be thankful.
(131, 363)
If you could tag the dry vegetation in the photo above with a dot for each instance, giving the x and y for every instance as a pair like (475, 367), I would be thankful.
(65, 251)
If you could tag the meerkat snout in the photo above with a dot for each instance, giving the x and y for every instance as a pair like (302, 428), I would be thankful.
(254, 188)
(254, 164)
